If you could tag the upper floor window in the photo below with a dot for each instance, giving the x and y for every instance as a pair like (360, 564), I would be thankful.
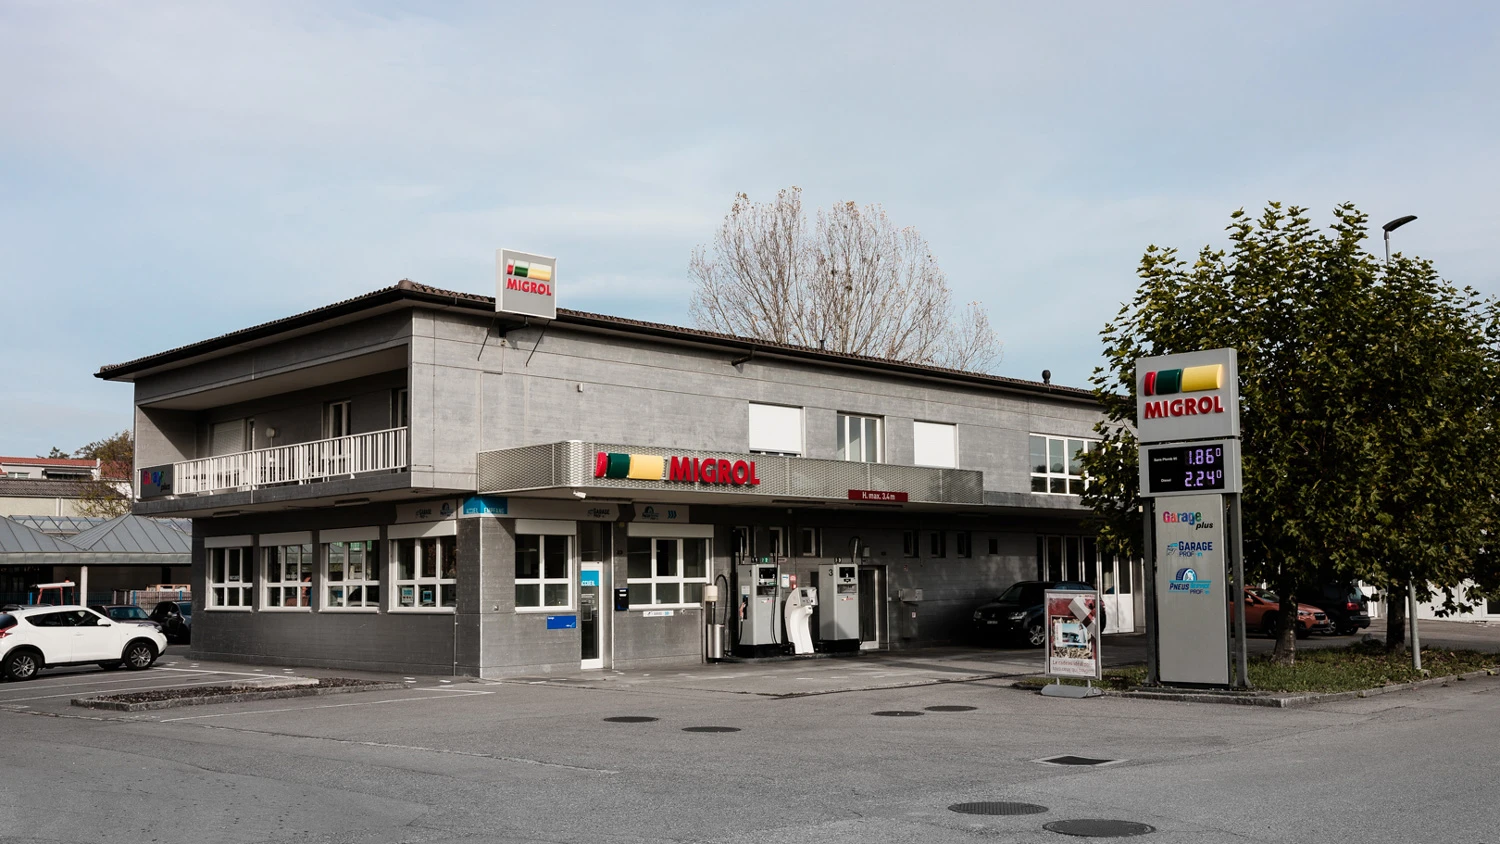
(775, 429)
(935, 444)
(859, 438)
(1057, 464)
(400, 408)
(336, 419)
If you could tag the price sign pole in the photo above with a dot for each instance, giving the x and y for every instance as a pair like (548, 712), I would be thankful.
(1187, 415)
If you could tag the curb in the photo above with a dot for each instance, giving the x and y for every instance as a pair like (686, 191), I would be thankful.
(1291, 700)
(263, 694)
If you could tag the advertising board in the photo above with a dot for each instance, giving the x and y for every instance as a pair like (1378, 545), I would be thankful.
(525, 284)
(1191, 396)
(1073, 630)
(1192, 602)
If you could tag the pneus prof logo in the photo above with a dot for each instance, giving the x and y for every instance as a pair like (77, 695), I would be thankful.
(1193, 379)
(1187, 580)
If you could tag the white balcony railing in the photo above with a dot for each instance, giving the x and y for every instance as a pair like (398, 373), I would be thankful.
(338, 457)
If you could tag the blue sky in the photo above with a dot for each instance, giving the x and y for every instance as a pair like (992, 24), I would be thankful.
(174, 171)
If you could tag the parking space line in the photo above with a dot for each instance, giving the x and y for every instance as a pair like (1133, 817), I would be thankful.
(150, 688)
(465, 692)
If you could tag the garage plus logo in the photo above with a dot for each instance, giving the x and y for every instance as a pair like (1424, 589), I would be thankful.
(1195, 520)
(1193, 379)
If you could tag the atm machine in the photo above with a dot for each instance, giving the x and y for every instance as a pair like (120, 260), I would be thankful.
(838, 610)
(758, 608)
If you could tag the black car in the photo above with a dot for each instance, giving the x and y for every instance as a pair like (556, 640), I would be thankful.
(126, 614)
(176, 620)
(1017, 613)
(1347, 608)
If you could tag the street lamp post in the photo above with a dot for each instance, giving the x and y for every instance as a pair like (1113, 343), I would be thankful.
(1411, 583)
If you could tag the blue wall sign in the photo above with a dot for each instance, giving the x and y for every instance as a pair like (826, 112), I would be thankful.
(588, 578)
(562, 622)
(485, 505)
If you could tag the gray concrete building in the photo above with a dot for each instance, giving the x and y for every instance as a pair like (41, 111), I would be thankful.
(408, 480)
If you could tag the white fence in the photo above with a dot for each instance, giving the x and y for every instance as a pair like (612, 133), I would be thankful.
(337, 457)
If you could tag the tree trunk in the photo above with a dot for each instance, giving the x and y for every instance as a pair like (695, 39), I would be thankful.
(1395, 619)
(1286, 635)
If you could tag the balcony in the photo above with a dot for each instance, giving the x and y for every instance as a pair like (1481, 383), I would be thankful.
(285, 465)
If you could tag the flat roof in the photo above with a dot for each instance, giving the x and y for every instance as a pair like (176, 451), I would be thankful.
(407, 292)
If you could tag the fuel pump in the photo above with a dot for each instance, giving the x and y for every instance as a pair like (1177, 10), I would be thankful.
(759, 609)
(838, 614)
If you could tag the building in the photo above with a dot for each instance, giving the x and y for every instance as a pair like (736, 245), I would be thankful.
(107, 559)
(408, 480)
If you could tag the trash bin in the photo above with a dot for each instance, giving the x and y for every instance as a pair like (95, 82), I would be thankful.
(714, 648)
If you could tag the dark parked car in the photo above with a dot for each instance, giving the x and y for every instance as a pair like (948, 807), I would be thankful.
(176, 620)
(1347, 608)
(1017, 613)
(126, 614)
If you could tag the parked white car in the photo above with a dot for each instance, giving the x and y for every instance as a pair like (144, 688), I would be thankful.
(45, 637)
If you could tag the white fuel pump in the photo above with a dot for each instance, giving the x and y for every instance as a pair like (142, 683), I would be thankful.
(799, 608)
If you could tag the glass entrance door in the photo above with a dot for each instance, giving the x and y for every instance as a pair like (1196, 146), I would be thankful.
(590, 621)
(871, 607)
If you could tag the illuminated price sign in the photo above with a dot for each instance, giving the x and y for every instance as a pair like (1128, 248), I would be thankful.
(1184, 469)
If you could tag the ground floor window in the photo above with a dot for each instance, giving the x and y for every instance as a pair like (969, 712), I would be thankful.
(230, 578)
(544, 571)
(289, 571)
(426, 572)
(662, 571)
(353, 574)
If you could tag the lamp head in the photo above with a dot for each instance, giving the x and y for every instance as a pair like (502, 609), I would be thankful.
(1398, 223)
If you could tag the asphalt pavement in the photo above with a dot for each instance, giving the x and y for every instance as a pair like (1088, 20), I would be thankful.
(537, 759)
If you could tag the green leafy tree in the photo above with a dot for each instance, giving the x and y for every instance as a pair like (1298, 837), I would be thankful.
(1367, 402)
(108, 494)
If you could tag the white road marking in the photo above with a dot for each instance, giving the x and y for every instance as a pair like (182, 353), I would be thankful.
(324, 706)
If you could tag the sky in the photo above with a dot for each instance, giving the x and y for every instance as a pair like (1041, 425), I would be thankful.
(173, 171)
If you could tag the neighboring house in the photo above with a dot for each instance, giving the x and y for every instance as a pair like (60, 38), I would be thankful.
(38, 497)
(108, 556)
(408, 480)
(49, 468)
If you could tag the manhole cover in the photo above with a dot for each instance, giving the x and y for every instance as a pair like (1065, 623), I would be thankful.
(997, 807)
(710, 729)
(1094, 828)
(631, 719)
(950, 708)
(1076, 760)
(896, 713)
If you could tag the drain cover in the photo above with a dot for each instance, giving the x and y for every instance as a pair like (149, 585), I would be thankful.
(1076, 760)
(1093, 828)
(950, 708)
(897, 713)
(631, 719)
(994, 807)
(710, 729)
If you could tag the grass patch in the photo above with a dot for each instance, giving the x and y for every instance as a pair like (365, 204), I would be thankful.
(1363, 665)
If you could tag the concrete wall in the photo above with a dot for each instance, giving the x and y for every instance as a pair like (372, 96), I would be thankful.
(28, 506)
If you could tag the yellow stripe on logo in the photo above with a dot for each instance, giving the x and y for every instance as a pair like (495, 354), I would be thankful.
(1198, 378)
(646, 467)
(539, 272)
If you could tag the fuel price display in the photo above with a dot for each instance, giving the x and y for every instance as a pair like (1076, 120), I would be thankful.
(1186, 468)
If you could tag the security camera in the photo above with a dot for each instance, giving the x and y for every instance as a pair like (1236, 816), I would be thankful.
(578, 493)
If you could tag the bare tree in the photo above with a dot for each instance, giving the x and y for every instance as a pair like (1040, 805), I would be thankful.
(854, 283)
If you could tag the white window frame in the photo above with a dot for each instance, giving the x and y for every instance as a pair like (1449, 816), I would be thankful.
(809, 542)
(542, 581)
(280, 587)
(776, 542)
(1052, 481)
(927, 452)
(342, 410)
(367, 542)
(777, 420)
(418, 536)
(401, 407)
(842, 438)
(910, 545)
(676, 577)
(963, 544)
(222, 585)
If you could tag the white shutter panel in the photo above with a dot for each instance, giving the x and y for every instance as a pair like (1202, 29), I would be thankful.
(775, 428)
(935, 444)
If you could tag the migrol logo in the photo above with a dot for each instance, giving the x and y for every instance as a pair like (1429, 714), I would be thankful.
(1193, 379)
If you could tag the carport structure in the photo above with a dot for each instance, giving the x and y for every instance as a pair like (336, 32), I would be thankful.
(128, 552)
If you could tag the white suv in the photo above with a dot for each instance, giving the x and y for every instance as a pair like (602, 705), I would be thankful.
(45, 637)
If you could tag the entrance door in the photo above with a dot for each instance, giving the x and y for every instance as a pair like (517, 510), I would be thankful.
(590, 619)
(1115, 590)
(872, 620)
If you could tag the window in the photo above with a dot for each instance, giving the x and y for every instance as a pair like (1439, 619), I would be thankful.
(336, 419)
(352, 575)
(935, 444)
(859, 438)
(962, 544)
(810, 542)
(994, 546)
(544, 574)
(229, 577)
(662, 571)
(227, 437)
(1057, 464)
(400, 408)
(776, 539)
(288, 579)
(937, 544)
(426, 573)
(775, 430)
(909, 543)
